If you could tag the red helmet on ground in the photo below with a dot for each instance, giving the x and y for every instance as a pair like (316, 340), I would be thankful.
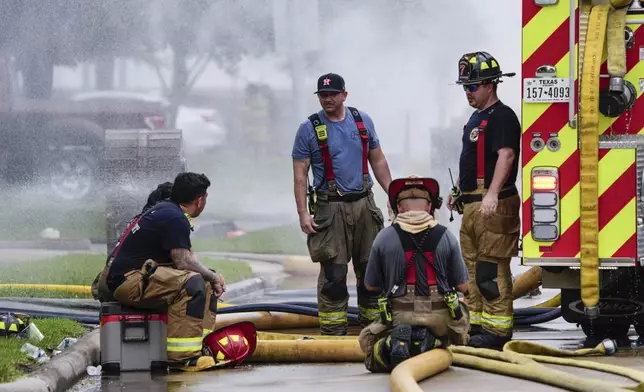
(233, 343)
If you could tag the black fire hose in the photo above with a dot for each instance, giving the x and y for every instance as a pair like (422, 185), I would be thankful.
(522, 316)
(518, 313)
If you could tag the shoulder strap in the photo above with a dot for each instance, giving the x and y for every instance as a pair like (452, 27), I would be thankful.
(362, 130)
(321, 135)
(435, 236)
(408, 264)
(126, 232)
(480, 141)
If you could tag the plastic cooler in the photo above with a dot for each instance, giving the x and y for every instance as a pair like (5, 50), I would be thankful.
(132, 339)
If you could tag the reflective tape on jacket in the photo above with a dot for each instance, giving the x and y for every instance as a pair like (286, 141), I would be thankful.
(475, 318)
(500, 322)
(185, 344)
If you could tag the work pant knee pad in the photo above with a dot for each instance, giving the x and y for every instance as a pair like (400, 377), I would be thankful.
(334, 286)
(196, 290)
(486, 275)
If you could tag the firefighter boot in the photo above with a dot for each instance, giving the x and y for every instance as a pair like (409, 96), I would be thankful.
(486, 339)
(423, 340)
(196, 364)
(400, 344)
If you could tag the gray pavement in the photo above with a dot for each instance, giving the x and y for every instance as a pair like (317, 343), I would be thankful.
(353, 376)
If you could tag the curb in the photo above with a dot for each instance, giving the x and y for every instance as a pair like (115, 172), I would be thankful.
(63, 370)
(66, 369)
(60, 244)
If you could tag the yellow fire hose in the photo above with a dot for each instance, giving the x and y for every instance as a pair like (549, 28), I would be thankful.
(518, 359)
(600, 15)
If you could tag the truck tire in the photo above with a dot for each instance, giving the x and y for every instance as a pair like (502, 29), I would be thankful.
(70, 166)
(72, 174)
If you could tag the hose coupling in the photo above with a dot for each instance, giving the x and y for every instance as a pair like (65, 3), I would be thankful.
(592, 312)
(610, 345)
(616, 84)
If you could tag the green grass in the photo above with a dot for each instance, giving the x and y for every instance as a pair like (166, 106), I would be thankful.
(245, 182)
(81, 221)
(81, 269)
(14, 363)
(287, 239)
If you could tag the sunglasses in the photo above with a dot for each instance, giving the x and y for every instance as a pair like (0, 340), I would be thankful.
(471, 87)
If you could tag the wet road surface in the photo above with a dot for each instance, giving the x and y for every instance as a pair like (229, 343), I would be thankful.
(354, 376)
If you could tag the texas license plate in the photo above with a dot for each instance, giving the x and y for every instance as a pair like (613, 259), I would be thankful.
(546, 90)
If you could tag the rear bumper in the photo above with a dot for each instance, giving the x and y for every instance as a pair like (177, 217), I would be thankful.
(573, 262)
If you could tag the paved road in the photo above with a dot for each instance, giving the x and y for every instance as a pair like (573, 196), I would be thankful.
(353, 376)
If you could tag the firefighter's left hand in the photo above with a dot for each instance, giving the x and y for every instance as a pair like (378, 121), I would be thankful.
(488, 206)
(218, 285)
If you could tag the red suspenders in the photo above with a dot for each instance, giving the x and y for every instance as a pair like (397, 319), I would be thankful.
(480, 151)
(322, 137)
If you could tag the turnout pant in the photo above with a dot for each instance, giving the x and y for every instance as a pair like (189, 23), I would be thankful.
(488, 244)
(346, 230)
(430, 312)
(191, 306)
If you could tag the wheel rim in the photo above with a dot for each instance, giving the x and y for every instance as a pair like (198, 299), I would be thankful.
(71, 179)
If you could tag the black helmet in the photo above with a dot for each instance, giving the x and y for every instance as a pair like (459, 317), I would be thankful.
(477, 67)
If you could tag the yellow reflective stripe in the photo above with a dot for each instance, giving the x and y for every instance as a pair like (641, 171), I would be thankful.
(369, 313)
(618, 230)
(2, 325)
(475, 318)
(378, 354)
(206, 331)
(13, 328)
(333, 318)
(541, 27)
(502, 322)
(184, 344)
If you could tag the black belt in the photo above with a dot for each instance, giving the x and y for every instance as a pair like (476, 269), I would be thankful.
(466, 199)
(349, 197)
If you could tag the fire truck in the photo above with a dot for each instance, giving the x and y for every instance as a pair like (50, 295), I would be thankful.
(583, 158)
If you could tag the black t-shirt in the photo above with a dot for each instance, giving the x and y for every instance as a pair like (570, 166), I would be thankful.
(502, 130)
(163, 228)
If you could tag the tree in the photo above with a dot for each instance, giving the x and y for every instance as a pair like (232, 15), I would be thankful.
(223, 31)
(42, 34)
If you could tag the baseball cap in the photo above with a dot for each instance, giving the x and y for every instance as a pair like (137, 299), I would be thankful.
(330, 82)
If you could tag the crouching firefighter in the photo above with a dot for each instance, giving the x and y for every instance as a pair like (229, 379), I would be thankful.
(417, 264)
(155, 268)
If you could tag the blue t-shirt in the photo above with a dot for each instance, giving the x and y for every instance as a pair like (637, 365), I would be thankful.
(345, 148)
(163, 228)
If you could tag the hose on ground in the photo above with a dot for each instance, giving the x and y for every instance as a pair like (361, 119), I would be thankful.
(518, 313)
(518, 359)
(539, 318)
(286, 315)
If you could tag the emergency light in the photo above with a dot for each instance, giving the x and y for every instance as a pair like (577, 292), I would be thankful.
(545, 203)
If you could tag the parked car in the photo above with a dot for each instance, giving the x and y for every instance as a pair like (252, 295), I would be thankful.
(202, 128)
(59, 142)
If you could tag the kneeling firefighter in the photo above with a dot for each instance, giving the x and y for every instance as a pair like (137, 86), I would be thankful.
(418, 266)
